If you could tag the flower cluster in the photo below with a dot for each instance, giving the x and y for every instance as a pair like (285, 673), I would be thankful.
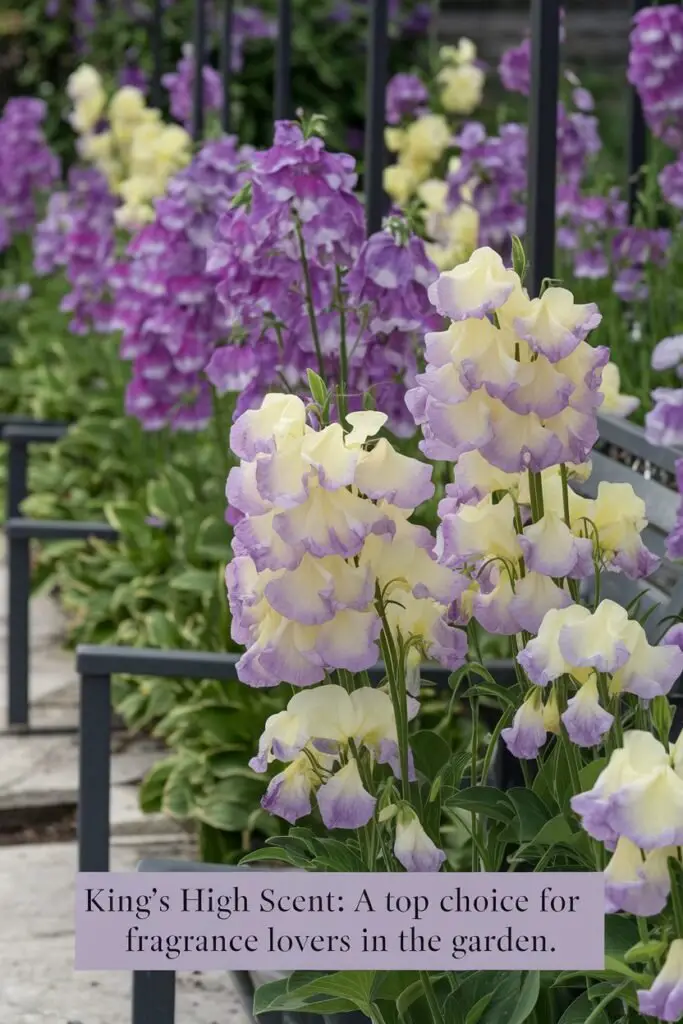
(299, 285)
(510, 393)
(605, 654)
(419, 147)
(461, 78)
(655, 70)
(512, 376)
(27, 166)
(494, 170)
(453, 231)
(77, 235)
(407, 98)
(165, 299)
(636, 809)
(317, 735)
(128, 142)
(323, 528)
(179, 84)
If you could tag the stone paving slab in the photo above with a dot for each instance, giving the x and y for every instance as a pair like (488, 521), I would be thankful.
(38, 984)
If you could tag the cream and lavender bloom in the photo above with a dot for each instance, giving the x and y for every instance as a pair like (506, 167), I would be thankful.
(535, 594)
(527, 734)
(300, 587)
(473, 289)
(650, 671)
(585, 720)
(555, 325)
(343, 800)
(664, 1001)
(413, 848)
(289, 793)
(550, 548)
(638, 795)
(595, 640)
(636, 883)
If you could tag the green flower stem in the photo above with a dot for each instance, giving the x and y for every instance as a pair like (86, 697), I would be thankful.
(564, 476)
(309, 295)
(396, 677)
(343, 353)
(535, 495)
(596, 1013)
(570, 750)
(474, 705)
(437, 1016)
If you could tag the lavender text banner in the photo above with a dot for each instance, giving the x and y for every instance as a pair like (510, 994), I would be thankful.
(295, 920)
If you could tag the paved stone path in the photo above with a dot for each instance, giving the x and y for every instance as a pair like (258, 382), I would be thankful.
(38, 984)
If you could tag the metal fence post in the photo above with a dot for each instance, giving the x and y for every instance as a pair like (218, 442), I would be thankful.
(282, 100)
(94, 772)
(17, 476)
(155, 41)
(377, 71)
(19, 587)
(637, 137)
(153, 997)
(226, 63)
(198, 81)
(545, 61)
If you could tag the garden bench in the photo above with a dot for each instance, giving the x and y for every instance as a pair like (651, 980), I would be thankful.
(19, 531)
(154, 991)
(623, 455)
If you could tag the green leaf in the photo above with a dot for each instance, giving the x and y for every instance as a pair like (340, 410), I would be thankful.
(430, 752)
(554, 832)
(580, 1010)
(152, 789)
(588, 775)
(476, 1013)
(483, 800)
(317, 388)
(161, 501)
(528, 998)
(195, 581)
(644, 951)
(662, 716)
(518, 257)
(531, 816)
(229, 804)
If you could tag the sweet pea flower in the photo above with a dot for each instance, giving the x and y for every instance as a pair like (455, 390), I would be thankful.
(343, 800)
(289, 793)
(614, 402)
(573, 638)
(479, 531)
(301, 586)
(665, 999)
(585, 720)
(667, 353)
(550, 548)
(413, 848)
(520, 410)
(649, 671)
(639, 795)
(534, 595)
(527, 734)
(555, 324)
(618, 516)
(473, 289)
(636, 883)
(314, 733)
(664, 423)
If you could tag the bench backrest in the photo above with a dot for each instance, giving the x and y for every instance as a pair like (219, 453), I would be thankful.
(624, 456)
